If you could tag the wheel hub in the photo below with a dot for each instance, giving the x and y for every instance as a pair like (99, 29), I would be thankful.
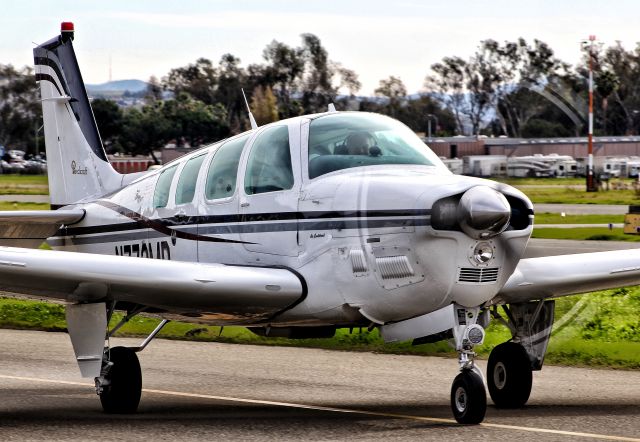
(500, 375)
(461, 399)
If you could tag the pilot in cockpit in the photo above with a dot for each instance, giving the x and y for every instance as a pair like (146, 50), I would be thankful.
(358, 143)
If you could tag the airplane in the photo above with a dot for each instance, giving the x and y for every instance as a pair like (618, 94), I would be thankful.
(293, 229)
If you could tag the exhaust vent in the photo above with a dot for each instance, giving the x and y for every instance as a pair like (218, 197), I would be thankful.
(470, 275)
(393, 267)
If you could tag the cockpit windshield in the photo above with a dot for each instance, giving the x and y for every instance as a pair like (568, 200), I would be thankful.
(346, 140)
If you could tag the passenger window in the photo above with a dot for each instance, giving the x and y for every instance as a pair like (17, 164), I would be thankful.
(188, 177)
(161, 195)
(223, 170)
(269, 164)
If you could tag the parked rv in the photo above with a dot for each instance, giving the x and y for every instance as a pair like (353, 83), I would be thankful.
(485, 165)
(455, 165)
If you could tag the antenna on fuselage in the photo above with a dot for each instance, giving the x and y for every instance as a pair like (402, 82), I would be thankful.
(254, 125)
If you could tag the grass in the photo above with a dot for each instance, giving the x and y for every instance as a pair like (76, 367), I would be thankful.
(568, 195)
(12, 205)
(604, 333)
(24, 185)
(584, 233)
(557, 181)
(541, 181)
(555, 218)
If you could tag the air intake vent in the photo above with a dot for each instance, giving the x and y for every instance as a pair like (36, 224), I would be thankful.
(392, 267)
(471, 275)
(358, 261)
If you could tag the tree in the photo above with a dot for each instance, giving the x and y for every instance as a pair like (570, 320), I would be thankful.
(182, 118)
(625, 97)
(606, 84)
(228, 91)
(526, 76)
(20, 109)
(199, 80)
(348, 79)
(415, 115)
(302, 79)
(496, 77)
(539, 128)
(284, 69)
(109, 119)
(394, 89)
(264, 105)
(317, 89)
(448, 83)
(154, 90)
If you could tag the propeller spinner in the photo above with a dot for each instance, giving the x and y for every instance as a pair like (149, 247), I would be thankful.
(483, 212)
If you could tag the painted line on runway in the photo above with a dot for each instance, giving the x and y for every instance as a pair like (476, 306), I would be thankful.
(339, 410)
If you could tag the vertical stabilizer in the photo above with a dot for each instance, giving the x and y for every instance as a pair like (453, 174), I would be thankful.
(77, 164)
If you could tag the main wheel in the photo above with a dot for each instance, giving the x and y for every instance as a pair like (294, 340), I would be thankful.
(122, 394)
(468, 398)
(509, 375)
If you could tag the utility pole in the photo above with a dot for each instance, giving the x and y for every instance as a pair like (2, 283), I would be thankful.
(429, 117)
(591, 184)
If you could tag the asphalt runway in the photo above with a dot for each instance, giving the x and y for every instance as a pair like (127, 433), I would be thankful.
(25, 198)
(206, 391)
(582, 209)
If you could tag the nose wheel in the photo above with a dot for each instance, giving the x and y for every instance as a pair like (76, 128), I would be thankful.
(468, 398)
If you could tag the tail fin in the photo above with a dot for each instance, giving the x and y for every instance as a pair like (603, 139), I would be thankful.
(77, 164)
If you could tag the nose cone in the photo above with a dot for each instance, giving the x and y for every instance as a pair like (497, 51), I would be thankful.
(483, 212)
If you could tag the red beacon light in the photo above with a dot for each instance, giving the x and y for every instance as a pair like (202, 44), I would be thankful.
(66, 30)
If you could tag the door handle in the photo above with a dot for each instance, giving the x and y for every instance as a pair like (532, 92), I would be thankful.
(245, 204)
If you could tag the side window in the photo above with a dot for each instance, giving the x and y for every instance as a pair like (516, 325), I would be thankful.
(187, 183)
(223, 170)
(161, 195)
(269, 164)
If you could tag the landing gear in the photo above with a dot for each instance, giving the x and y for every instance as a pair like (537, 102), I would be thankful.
(509, 375)
(468, 396)
(120, 386)
(466, 327)
(116, 371)
(510, 367)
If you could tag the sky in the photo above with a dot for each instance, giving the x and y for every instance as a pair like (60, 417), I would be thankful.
(140, 38)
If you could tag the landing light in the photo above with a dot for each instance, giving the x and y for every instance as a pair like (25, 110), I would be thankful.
(483, 252)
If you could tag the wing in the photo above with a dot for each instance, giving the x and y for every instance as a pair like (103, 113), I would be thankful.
(29, 228)
(243, 293)
(554, 276)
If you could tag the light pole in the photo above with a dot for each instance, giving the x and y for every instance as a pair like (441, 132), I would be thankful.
(429, 117)
(591, 184)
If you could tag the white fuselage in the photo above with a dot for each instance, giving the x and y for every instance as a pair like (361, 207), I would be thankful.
(361, 238)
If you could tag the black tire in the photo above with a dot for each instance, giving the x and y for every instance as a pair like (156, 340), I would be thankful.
(122, 395)
(509, 375)
(468, 398)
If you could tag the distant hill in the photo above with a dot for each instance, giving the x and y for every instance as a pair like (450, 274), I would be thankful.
(121, 86)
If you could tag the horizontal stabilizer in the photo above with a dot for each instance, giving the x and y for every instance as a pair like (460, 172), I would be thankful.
(555, 276)
(29, 228)
(232, 293)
